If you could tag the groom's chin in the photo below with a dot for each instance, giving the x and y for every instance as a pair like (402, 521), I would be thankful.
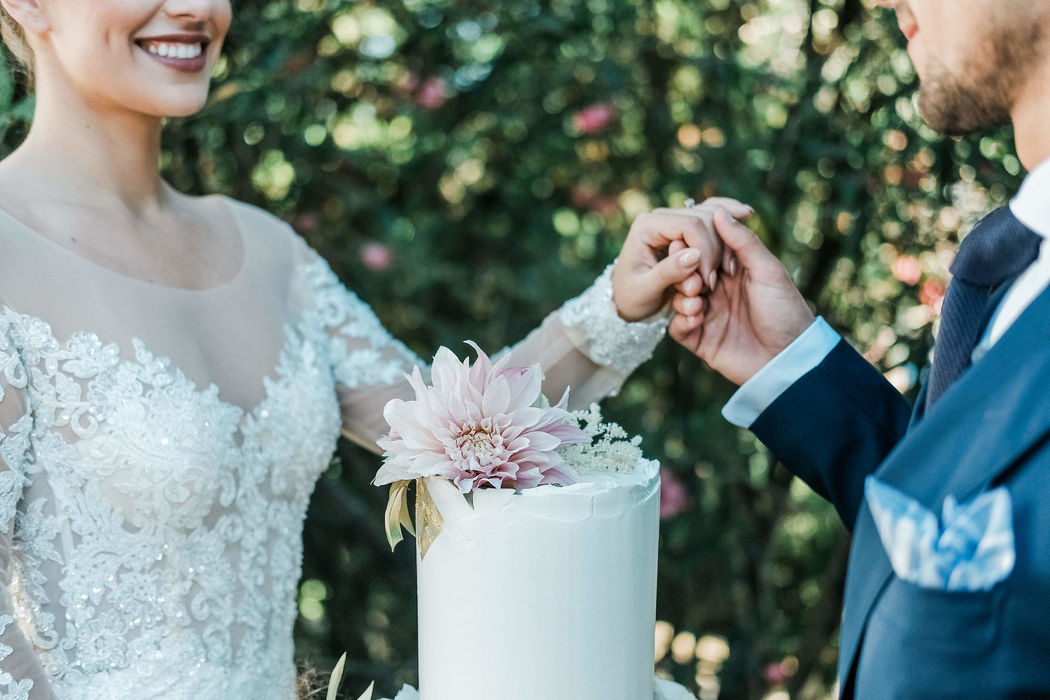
(954, 110)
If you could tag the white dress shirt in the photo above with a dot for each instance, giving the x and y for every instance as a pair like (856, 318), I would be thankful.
(1031, 206)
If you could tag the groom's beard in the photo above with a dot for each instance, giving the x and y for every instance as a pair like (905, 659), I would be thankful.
(981, 93)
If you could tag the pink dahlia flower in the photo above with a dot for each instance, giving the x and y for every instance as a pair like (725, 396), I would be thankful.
(479, 427)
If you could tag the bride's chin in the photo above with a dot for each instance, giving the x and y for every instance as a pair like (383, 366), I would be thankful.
(184, 107)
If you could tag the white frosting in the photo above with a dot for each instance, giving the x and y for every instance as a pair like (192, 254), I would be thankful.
(665, 690)
(546, 593)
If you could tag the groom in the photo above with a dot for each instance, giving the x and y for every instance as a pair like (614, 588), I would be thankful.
(948, 586)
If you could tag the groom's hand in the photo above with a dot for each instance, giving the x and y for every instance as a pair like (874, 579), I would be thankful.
(669, 250)
(752, 314)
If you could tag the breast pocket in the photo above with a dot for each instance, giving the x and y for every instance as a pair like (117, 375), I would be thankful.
(930, 644)
(954, 622)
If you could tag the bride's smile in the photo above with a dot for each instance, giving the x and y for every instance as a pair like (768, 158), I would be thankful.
(181, 52)
(152, 57)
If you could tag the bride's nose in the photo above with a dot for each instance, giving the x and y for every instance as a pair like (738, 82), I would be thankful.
(198, 10)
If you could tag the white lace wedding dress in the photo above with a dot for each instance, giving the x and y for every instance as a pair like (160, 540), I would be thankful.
(158, 447)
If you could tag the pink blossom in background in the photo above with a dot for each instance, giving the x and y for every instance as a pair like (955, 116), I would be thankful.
(605, 206)
(305, 222)
(432, 94)
(478, 427)
(582, 196)
(775, 674)
(932, 293)
(674, 498)
(592, 119)
(907, 269)
(376, 256)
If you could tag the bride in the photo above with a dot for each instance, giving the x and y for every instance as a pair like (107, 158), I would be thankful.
(175, 371)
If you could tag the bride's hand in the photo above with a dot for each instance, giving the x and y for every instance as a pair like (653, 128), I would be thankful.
(668, 250)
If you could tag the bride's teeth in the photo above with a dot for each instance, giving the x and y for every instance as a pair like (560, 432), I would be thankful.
(166, 50)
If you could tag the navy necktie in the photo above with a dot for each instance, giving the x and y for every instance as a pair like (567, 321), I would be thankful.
(998, 248)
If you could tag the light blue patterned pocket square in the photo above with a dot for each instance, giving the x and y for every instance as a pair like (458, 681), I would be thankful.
(971, 548)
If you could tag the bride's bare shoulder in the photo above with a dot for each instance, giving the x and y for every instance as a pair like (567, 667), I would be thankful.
(19, 196)
(249, 216)
(266, 231)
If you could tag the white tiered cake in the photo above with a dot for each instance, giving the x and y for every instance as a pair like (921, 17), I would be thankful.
(543, 593)
(539, 582)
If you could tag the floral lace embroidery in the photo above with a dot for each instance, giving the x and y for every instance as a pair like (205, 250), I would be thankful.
(11, 689)
(342, 311)
(157, 538)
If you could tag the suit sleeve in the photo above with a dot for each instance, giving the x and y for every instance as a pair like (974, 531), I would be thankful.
(834, 426)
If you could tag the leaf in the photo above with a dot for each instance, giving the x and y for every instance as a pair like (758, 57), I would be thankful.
(397, 514)
(337, 675)
(428, 518)
(367, 695)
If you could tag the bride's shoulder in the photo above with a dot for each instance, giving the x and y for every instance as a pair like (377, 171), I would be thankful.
(262, 226)
(249, 216)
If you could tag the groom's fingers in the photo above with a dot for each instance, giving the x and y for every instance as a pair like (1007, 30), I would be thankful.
(729, 265)
(748, 250)
(737, 208)
(733, 206)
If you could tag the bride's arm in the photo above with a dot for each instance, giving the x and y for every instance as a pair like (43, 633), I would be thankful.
(583, 345)
(21, 673)
(586, 344)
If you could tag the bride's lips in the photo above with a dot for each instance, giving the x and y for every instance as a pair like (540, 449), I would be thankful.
(183, 52)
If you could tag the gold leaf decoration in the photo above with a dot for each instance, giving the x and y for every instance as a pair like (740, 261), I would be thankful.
(428, 518)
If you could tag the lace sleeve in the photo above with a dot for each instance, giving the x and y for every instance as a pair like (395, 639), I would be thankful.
(584, 346)
(22, 676)
(368, 363)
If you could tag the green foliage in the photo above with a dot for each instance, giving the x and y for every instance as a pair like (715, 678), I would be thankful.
(454, 138)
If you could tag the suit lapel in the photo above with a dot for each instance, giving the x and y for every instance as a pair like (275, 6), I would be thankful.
(919, 409)
(982, 424)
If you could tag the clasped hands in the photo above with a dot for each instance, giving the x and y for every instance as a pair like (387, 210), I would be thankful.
(735, 306)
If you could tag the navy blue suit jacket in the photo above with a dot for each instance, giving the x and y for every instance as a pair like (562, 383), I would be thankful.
(843, 421)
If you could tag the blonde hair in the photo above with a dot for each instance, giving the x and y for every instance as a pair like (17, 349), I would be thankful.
(15, 38)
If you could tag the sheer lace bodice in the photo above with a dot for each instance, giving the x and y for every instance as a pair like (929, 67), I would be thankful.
(158, 448)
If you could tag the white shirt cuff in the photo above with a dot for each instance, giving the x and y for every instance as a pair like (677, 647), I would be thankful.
(756, 394)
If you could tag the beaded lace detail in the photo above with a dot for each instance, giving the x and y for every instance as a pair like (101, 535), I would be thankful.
(150, 532)
(614, 342)
(158, 534)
